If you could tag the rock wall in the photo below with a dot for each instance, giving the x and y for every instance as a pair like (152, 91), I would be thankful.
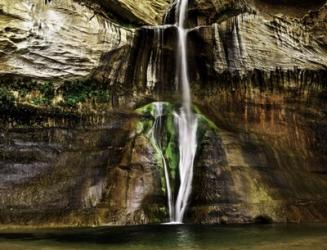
(58, 40)
(129, 12)
(70, 153)
(275, 159)
(73, 171)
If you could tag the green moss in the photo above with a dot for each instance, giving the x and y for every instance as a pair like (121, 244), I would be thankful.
(73, 93)
(7, 99)
(150, 109)
(171, 149)
(48, 91)
(22, 86)
(169, 140)
(203, 120)
(44, 93)
(81, 91)
(205, 125)
(40, 100)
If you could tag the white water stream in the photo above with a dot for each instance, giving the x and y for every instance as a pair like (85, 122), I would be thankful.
(186, 123)
(156, 137)
(185, 120)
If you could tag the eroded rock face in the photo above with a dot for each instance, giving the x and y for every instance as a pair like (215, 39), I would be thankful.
(134, 184)
(316, 23)
(66, 45)
(276, 162)
(58, 40)
(68, 171)
(296, 8)
(127, 12)
(257, 72)
(214, 11)
(238, 43)
(244, 39)
(145, 12)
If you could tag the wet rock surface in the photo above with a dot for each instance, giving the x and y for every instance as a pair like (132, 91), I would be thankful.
(275, 160)
(69, 82)
(69, 172)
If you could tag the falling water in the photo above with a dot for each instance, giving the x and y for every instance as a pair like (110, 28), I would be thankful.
(156, 137)
(186, 121)
(186, 124)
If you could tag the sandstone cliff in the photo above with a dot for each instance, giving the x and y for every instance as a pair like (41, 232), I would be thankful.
(73, 72)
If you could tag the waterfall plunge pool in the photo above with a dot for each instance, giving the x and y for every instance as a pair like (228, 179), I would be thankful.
(164, 237)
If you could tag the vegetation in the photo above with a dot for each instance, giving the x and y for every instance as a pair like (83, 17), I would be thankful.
(168, 143)
(7, 100)
(71, 93)
(169, 140)
(81, 91)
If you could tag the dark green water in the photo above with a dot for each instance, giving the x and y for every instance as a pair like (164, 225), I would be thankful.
(313, 237)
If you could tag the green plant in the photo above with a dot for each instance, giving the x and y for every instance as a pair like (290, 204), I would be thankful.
(80, 91)
(7, 99)
(48, 91)
(40, 100)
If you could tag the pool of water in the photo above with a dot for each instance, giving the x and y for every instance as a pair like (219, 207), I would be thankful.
(162, 237)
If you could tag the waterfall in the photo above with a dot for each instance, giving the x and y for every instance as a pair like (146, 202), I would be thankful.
(186, 124)
(155, 133)
(185, 120)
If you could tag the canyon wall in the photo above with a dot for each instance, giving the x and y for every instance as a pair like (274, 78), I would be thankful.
(72, 74)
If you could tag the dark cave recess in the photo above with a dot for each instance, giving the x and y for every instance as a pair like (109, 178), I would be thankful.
(296, 8)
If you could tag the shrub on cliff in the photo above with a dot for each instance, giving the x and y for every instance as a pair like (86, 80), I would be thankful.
(7, 99)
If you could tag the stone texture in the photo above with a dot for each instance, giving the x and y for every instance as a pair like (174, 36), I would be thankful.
(130, 13)
(134, 184)
(60, 40)
(144, 12)
(275, 159)
(280, 45)
(258, 72)
(315, 21)
(294, 8)
(71, 172)
(66, 45)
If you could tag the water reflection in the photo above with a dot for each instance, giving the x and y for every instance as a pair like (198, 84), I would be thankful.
(163, 237)
(185, 238)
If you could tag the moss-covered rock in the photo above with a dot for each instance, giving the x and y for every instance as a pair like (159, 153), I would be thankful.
(210, 156)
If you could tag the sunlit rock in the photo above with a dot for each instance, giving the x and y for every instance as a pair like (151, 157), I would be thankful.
(58, 40)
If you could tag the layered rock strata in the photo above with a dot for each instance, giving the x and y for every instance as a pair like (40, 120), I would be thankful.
(73, 72)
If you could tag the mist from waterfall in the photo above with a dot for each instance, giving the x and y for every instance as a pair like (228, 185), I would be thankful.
(185, 119)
